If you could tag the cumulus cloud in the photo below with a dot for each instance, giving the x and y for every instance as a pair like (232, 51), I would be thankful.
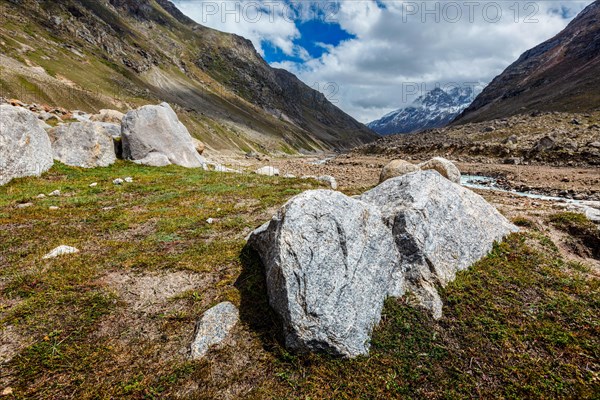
(397, 46)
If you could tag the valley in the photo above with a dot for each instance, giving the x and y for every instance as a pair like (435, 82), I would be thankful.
(181, 219)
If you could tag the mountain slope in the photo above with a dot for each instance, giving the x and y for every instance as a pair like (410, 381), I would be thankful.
(561, 74)
(432, 110)
(90, 54)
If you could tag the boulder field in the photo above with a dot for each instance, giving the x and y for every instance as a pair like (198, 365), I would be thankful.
(151, 135)
(331, 260)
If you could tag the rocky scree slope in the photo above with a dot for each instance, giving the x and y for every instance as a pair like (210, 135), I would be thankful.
(538, 138)
(83, 54)
(434, 109)
(561, 74)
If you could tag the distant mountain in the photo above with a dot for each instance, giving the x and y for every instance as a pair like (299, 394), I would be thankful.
(91, 54)
(435, 109)
(561, 74)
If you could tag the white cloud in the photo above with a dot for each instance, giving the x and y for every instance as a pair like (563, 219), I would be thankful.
(263, 22)
(398, 45)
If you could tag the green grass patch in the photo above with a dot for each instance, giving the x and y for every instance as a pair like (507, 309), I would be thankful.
(521, 323)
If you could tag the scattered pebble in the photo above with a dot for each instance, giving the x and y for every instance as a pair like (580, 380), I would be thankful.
(55, 193)
(53, 208)
(93, 184)
(24, 205)
(61, 250)
(8, 391)
(210, 221)
(118, 181)
(40, 196)
(129, 179)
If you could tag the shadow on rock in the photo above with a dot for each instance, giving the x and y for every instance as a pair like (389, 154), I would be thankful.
(254, 308)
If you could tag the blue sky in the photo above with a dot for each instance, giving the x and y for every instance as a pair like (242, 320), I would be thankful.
(382, 54)
(315, 37)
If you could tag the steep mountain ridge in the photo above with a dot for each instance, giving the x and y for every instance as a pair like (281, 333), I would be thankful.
(561, 74)
(122, 53)
(434, 109)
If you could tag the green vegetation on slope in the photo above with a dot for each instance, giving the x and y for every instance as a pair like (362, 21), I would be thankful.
(522, 323)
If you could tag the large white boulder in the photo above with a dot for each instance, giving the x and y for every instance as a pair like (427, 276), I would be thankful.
(24, 146)
(83, 144)
(157, 129)
(439, 228)
(329, 261)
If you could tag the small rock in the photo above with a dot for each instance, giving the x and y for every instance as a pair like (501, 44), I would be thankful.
(111, 116)
(198, 145)
(118, 181)
(40, 196)
(129, 179)
(545, 143)
(93, 184)
(329, 180)
(55, 193)
(289, 176)
(61, 250)
(214, 327)
(396, 168)
(445, 167)
(53, 208)
(268, 171)
(210, 221)
(8, 391)
(24, 205)
(565, 179)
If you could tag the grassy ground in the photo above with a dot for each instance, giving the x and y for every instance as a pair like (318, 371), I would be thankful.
(115, 319)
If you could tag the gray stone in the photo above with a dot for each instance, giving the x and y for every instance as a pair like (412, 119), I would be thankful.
(445, 167)
(396, 168)
(83, 144)
(154, 160)
(118, 181)
(267, 171)
(330, 180)
(544, 144)
(157, 129)
(329, 260)
(199, 146)
(61, 250)
(439, 228)
(24, 146)
(214, 327)
(54, 193)
(111, 116)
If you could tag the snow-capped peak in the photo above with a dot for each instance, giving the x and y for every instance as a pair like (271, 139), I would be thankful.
(431, 110)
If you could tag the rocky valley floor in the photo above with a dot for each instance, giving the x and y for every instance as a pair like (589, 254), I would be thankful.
(116, 319)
